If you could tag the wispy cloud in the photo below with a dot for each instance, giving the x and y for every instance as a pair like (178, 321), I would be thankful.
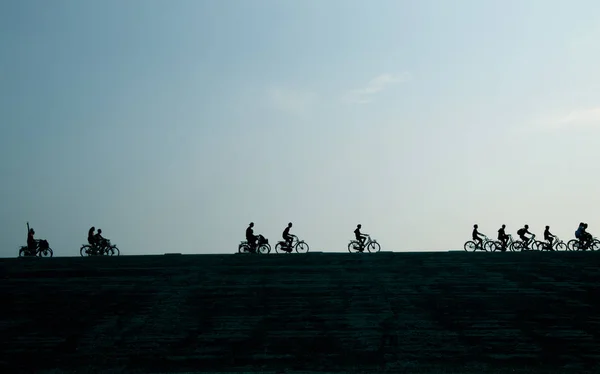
(366, 94)
(579, 117)
(291, 101)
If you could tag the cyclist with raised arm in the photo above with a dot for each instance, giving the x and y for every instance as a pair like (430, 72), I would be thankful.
(31, 242)
(360, 237)
(289, 238)
(522, 232)
(549, 238)
(503, 237)
(477, 236)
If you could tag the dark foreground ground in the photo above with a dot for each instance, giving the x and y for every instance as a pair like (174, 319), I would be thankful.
(386, 312)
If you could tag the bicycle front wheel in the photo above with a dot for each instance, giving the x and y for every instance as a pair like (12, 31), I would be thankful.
(373, 247)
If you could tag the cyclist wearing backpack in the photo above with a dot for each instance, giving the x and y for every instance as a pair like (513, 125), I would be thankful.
(581, 235)
(586, 237)
(521, 233)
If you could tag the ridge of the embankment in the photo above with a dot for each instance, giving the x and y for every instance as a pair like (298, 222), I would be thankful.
(318, 312)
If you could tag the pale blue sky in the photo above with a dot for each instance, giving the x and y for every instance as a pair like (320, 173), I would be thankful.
(173, 124)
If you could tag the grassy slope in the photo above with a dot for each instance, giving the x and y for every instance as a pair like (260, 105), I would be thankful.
(412, 312)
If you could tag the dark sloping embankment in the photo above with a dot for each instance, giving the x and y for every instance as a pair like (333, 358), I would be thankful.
(417, 312)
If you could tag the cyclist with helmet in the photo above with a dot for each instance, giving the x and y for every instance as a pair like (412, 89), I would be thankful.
(31, 242)
(476, 236)
(548, 237)
(503, 237)
(526, 240)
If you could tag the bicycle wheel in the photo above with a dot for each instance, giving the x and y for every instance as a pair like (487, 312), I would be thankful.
(470, 246)
(373, 247)
(23, 252)
(244, 248)
(571, 244)
(538, 245)
(491, 246)
(264, 249)
(302, 247)
(85, 250)
(47, 252)
(354, 247)
(560, 246)
(517, 246)
(279, 248)
(113, 251)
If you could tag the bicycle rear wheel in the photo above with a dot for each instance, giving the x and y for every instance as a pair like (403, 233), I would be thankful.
(470, 246)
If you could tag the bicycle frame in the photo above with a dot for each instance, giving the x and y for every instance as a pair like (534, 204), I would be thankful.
(529, 241)
(367, 242)
(294, 242)
(509, 242)
(555, 242)
(484, 241)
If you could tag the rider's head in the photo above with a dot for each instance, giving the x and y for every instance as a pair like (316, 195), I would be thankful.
(503, 226)
(290, 224)
(31, 231)
(359, 226)
(585, 225)
(526, 226)
(547, 227)
(475, 226)
(99, 231)
(251, 224)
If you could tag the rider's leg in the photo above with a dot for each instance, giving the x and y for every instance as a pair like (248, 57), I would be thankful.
(525, 241)
(504, 243)
(362, 242)
(288, 241)
(550, 241)
(583, 242)
(479, 243)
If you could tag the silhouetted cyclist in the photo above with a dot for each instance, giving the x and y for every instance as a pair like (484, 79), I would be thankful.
(250, 237)
(31, 242)
(289, 238)
(521, 233)
(503, 237)
(586, 237)
(549, 237)
(579, 231)
(91, 235)
(360, 237)
(99, 239)
(476, 236)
